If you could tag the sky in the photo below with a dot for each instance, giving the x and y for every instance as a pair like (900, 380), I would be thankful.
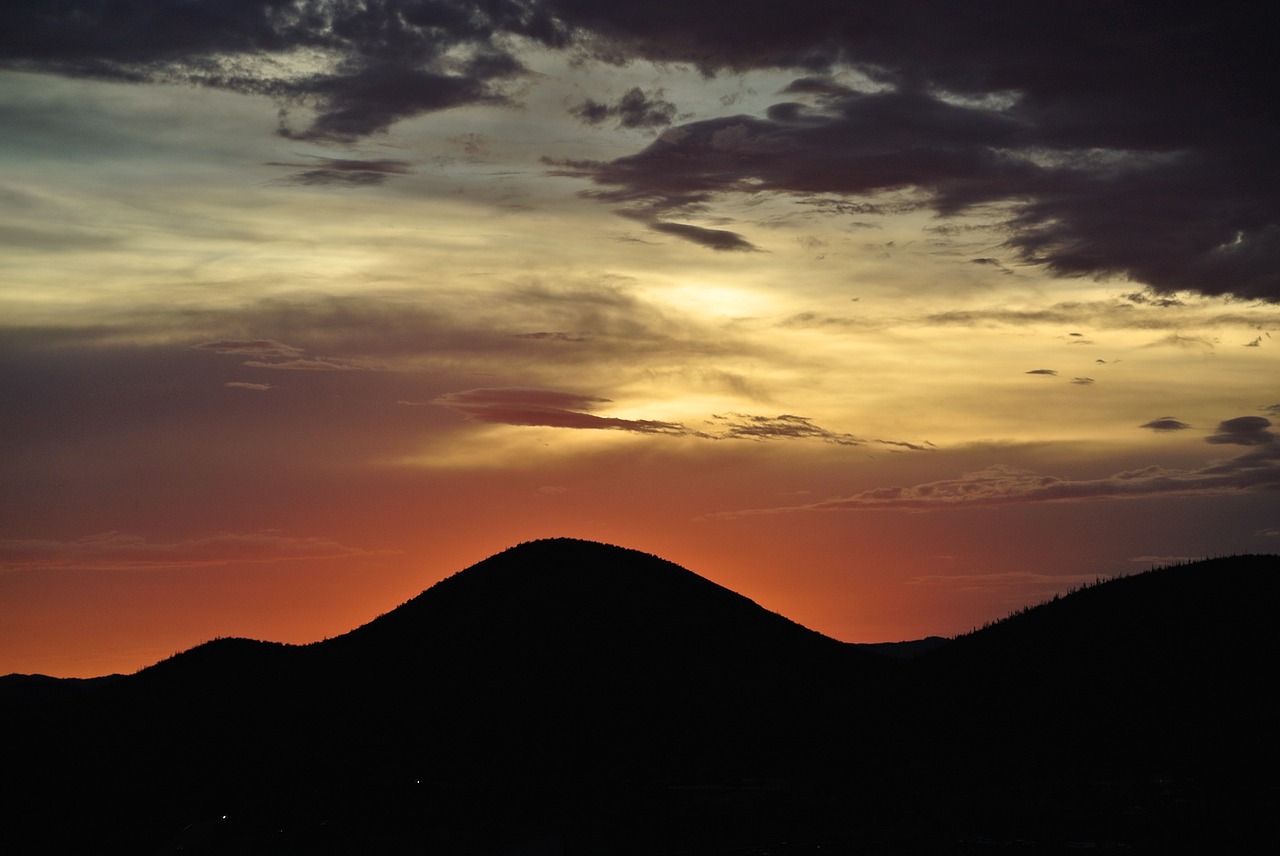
(892, 316)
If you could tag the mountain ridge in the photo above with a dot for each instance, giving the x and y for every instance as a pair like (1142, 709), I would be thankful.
(568, 681)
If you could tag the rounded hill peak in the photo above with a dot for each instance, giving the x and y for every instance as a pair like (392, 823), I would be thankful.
(570, 591)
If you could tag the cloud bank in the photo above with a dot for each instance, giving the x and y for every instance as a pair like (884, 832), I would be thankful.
(1255, 470)
(1129, 141)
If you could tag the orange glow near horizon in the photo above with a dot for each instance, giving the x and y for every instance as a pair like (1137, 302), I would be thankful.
(269, 370)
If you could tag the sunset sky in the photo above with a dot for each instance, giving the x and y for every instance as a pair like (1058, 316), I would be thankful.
(892, 316)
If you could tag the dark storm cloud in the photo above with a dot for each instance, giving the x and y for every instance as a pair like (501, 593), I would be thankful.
(1165, 423)
(1048, 372)
(364, 101)
(864, 145)
(1172, 218)
(1135, 141)
(544, 407)
(388, 59)
(1129, 140)
(635, 109)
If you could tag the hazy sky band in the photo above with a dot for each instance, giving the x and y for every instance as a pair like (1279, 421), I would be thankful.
(307, 304)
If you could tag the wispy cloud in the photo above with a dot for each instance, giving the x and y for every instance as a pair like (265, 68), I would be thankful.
(545, 407)
(271, 354)
(635, 109)
(124, 551)
(558, 409)
(1257, 469)
(249, 348)
(743, 426)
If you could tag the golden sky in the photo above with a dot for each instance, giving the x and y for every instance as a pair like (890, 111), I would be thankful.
(893, 335)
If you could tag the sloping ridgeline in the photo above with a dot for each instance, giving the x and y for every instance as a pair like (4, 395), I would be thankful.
(576, 697)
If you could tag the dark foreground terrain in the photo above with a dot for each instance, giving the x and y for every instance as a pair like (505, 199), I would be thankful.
(570, 697)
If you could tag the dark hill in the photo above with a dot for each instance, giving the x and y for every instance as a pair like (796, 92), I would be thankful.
(1140, 709)
(552, 667)
(605, 700)
(1152, 655)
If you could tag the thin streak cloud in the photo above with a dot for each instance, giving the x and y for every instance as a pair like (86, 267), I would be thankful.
(1256, 470)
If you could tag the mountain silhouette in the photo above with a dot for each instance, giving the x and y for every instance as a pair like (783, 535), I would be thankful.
(568, 696)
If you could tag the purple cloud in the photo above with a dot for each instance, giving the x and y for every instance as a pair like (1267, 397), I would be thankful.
(544, 407)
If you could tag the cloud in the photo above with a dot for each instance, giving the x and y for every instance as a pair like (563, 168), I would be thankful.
(286, 357)
(249, 347)
(1186, 343)
(716, 239)
(746, 426)
(1118, 314)
(345, 172)
(1154, 300)
(1082, 381)
(360, 67)
(544, 407)
(1244, 431)
(812, 320)
(816, 86)
(1102, 169)
(1105, 171)
(1255, 470)
(1165, 424)
(635, 109)
(371, 98)
(742, 426)
(551, 336)
(993, 263)
(559, 409)
(1048, 372)
(256, 387)
(325, 364)
(122, 551)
